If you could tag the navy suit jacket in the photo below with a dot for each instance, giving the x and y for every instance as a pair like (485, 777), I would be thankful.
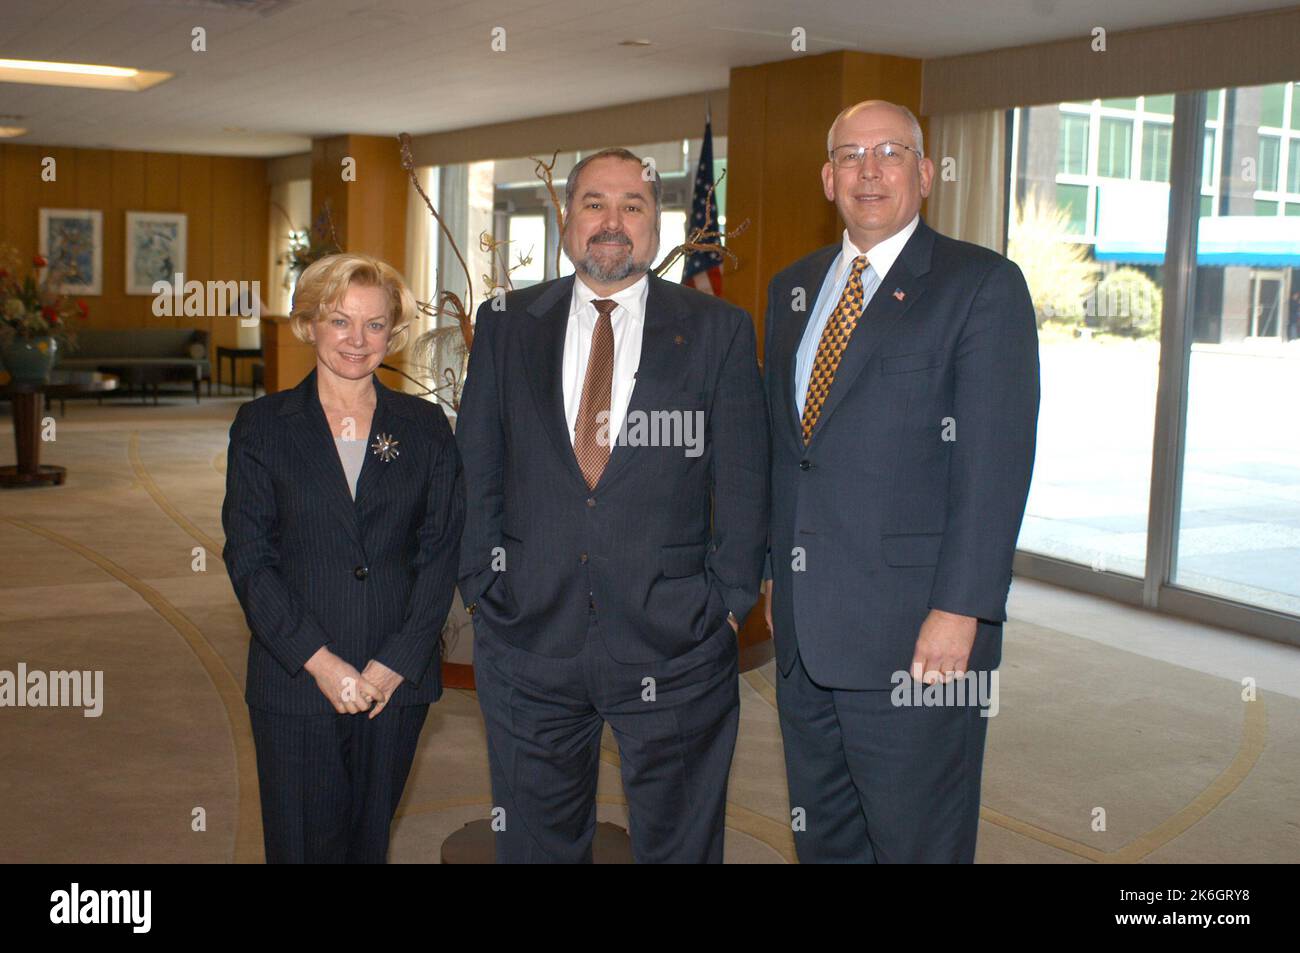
(372, 578)
(911, 492)
(666, 543)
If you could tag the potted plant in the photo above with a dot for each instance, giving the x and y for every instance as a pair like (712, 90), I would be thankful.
(34, 317)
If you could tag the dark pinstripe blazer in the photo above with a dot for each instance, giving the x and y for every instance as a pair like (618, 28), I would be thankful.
(911, 492)
(370, 579)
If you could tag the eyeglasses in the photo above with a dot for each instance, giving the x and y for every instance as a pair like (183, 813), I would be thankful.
(886, 153)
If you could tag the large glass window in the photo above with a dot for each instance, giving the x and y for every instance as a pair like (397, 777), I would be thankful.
(1090, 248)
(1239, 519)
(1088, 225)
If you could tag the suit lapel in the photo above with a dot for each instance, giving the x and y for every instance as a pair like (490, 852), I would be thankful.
(387, 420)
(898, 291)
(311, 434)
(544, 359)
(665, 342)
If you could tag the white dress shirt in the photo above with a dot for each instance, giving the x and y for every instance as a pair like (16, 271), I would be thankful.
(628, 321)
(881, 258)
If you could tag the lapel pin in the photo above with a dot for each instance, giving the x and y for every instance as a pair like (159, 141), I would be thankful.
(385, 447)
(898, 293)
(679, 340)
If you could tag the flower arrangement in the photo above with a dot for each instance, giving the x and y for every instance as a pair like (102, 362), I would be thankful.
(31, 306)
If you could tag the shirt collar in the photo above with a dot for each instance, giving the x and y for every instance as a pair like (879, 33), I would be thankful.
(632, 298)
(883, 254)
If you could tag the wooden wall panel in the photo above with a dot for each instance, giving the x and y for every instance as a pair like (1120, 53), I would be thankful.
(194, 176)
(226, 226)
(776, 146)
(22, 188)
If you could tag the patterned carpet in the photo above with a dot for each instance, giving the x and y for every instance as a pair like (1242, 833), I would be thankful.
(1097, 755)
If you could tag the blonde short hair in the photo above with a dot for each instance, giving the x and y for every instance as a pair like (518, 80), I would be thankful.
(325, 281)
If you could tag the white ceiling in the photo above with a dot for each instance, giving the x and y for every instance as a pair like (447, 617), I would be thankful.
(270, 82)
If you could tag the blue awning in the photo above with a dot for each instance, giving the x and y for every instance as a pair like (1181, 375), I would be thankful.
(1131, 226)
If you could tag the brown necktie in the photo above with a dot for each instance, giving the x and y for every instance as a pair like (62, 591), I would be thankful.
(588, 446)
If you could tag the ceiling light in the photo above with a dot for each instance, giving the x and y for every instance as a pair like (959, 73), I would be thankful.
(9, 132)
(634, 43)
(84, 75)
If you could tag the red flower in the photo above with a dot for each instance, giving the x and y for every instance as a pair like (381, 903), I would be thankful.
(83, 308)
(49, 313)
(39, 261)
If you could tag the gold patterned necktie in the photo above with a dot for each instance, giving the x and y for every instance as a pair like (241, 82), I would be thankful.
(588, 446)
(834, 339)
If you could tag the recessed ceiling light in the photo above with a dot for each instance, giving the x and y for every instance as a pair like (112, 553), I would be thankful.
(84, 75)
(10, 132)
(634, 43)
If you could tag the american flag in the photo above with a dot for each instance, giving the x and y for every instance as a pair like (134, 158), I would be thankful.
(703, 269)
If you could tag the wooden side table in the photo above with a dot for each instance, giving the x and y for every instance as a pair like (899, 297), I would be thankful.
(27, 405)
(234, 355)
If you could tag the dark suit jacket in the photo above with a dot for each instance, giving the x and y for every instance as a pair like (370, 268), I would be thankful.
(911, 492)
(666, 543)
(370, 579)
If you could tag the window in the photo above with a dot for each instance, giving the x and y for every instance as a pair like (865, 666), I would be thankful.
(1269, 157)
(527, 244)
(1208, 176)
(1156, 141)
(1238, 533)
(1116, 149)
(1270, 99)
(1074, 144)
(1088, 227)
(1073, 201)
(1070, 233)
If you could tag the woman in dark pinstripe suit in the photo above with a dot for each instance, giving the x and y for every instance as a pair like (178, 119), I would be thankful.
(343, 512)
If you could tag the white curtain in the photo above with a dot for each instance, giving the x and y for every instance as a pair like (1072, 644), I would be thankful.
(970, 177)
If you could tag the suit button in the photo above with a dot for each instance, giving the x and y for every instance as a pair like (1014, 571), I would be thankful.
(591, 501)
(361, 572)
(582, 558)
(805, 465)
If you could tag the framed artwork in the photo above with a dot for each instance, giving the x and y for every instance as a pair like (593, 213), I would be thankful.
(72, 239)
(155, 249)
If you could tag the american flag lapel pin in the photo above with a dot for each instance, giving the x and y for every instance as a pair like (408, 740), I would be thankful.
(898, 293)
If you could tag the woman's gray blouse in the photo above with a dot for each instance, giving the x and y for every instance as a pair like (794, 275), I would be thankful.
(352, 453)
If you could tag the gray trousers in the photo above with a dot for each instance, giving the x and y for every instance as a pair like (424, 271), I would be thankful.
(544, 717)
(879, 783)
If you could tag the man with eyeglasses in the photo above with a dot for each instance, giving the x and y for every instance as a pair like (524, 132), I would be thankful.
(902, 389)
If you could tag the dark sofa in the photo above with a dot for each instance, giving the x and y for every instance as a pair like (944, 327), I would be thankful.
(143, 357)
